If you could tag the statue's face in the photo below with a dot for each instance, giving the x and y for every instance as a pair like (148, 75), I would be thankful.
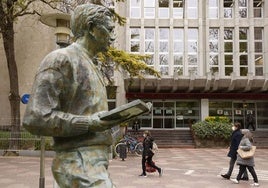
(104, 33)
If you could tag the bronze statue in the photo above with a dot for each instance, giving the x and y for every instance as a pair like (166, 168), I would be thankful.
(67, 97)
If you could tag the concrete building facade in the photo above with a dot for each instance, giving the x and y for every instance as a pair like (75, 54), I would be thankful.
(212, 56)
(33, 41)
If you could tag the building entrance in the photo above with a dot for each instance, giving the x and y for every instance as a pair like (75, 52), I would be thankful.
(175, 114)
(242, 112)
(163, 115)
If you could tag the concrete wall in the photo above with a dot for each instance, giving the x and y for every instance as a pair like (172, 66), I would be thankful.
(33, 40)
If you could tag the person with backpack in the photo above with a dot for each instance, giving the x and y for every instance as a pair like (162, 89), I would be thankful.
(147, 154)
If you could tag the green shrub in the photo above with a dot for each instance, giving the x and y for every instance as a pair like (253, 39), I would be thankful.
(218, 119)
(27, 141)
(48, 144)
(4, 136)
(213, 128)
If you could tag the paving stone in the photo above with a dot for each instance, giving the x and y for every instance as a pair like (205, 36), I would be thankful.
(183, 168)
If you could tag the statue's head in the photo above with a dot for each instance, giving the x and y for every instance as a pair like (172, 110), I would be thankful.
(94, 21)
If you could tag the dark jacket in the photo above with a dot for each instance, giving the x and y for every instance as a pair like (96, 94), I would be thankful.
(235, 141)
(147, 146)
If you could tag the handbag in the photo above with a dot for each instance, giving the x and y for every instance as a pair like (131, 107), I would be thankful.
(149, 168)
(246, 154)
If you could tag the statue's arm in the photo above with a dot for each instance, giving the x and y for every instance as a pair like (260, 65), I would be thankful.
(44, 114)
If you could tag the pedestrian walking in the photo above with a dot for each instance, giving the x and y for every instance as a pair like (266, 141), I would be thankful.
(250, 121)
(235, 141)
(246, 145)
(147, 154)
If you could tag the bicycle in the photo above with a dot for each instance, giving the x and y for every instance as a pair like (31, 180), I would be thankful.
(132, 145)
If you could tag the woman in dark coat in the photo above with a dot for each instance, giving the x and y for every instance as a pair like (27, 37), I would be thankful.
(235, 140)
(147, 154)
(246, 144)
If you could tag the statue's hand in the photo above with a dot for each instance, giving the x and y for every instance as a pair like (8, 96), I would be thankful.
(96, 124)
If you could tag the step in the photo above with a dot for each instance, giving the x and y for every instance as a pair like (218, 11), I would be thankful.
(183, 138)
(173, 138)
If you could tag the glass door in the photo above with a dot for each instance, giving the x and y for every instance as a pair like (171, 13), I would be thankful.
(187, 113)
(243, 111)
(169, 115)
(158, 115)
(163, 115)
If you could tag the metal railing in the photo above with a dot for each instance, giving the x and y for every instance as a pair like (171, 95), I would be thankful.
(22, 140)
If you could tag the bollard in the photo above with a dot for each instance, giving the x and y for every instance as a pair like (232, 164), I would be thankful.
(123, 151)
(42, 163)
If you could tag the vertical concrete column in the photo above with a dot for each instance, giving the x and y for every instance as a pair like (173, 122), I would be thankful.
(265, 38)
(251, 50)
(202, 38)
(236, 65)
(204, 108)
(221, 39)
(171, 48)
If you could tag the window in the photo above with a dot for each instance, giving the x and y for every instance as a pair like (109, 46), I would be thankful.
(163, 8)
(243, 10)
(214, 50)
(220, 108)
(111, 96)
(192, 8)
(262, 120)
(135, 9)
(258, 50)
(149, 9)
(187, 112)
(228, 51)
(258, 9)
(178, 35)
(171, 57)
(178, 8)
(149, 45)
(163, 50)
(243, 51)
(213, 9)
(192, 50)
(228, 8)
(135, 40)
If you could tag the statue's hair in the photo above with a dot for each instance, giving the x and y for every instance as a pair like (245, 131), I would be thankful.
(87, 16)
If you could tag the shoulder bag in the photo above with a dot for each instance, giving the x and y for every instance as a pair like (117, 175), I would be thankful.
(155, 148)
(247, 154)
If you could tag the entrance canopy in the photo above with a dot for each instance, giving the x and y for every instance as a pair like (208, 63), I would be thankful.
(185, 87)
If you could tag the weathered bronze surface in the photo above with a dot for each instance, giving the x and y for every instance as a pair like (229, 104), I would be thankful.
(68, 95)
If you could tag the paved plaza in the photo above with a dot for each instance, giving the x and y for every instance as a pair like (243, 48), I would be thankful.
(183, 168)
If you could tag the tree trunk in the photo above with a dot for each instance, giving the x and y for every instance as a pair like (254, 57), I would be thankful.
(14, 98)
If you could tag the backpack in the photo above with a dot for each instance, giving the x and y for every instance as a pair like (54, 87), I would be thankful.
(154, 148)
